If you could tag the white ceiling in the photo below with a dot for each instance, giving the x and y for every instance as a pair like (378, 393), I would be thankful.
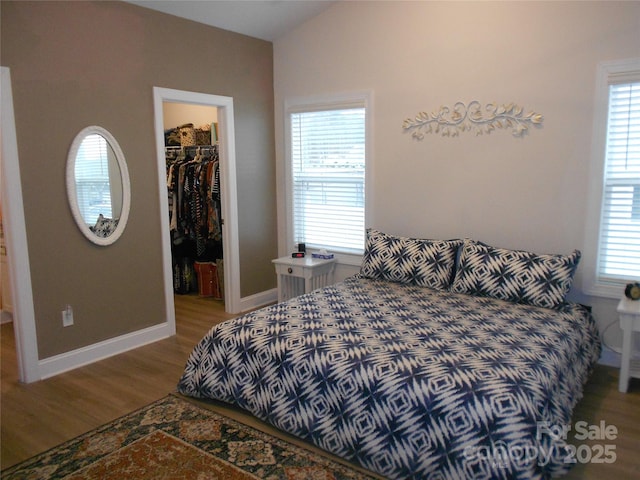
(264, 19)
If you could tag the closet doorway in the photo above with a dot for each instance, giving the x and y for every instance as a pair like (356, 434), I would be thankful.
(168, 104)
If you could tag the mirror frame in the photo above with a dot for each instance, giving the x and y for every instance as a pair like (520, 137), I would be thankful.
(72, 192)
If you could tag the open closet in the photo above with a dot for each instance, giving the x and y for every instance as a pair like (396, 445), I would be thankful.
(191, 142)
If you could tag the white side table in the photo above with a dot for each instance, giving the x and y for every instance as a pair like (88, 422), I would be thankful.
(302, 275)
(629, 312)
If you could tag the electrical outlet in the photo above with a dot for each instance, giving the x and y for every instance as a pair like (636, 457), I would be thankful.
(67, 316)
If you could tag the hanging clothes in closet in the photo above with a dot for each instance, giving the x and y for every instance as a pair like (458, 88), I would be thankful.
(193, 182)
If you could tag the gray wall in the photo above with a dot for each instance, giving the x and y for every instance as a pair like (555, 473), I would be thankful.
(75, 64)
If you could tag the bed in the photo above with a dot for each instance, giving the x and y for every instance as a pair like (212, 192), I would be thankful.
(439, 360)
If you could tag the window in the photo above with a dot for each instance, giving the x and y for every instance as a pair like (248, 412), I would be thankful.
(619, 252)
(327, 174)
(92, 179)
(618, 144)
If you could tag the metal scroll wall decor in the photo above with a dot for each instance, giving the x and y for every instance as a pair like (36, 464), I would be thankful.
(449, 122)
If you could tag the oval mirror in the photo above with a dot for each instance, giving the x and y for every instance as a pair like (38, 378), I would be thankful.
(98, 185)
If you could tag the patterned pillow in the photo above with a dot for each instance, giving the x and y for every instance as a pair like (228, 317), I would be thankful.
(104, 226)
(421, 262)
(515, 275)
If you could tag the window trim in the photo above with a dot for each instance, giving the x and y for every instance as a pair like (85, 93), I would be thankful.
(617, 71)
(328, 102)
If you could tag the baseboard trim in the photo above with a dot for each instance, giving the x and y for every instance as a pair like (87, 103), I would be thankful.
(259, 300)
(64, 362)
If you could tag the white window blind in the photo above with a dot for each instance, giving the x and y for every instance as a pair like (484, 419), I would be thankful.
(619, 245)
(92, 179)
(328, 178)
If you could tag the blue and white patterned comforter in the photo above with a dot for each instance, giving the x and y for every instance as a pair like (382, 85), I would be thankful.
(409, 382)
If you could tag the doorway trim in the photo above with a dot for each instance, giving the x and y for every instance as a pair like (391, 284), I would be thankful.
(228, 192)
(15, 232)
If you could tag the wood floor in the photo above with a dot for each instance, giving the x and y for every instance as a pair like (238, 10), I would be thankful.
(38, 416)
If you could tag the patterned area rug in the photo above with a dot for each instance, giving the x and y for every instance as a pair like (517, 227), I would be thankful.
(176, 439)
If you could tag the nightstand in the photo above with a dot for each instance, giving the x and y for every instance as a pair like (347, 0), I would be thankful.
(629, 312)
(302, 275)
